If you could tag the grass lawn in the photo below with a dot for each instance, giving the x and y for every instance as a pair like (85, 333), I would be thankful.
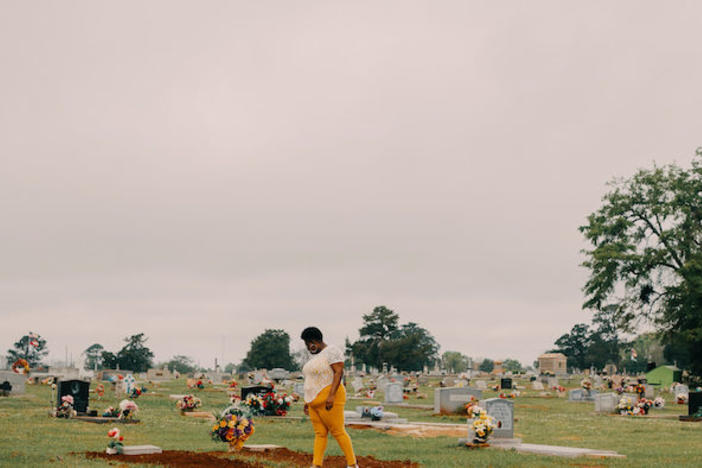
(30, 438)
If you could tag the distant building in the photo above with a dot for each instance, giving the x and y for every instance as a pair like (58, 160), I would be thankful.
(553, 363)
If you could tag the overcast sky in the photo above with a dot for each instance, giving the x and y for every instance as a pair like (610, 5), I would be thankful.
(201, 171)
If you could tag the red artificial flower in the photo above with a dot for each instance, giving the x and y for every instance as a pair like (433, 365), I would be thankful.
(121, 438)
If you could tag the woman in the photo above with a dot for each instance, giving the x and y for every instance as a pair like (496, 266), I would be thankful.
(325, 396)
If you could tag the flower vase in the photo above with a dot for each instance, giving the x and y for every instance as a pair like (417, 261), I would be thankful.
(236, 445)
(111, 451)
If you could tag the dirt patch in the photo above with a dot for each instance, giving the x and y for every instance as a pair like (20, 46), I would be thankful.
(179, 459)
(185, 459)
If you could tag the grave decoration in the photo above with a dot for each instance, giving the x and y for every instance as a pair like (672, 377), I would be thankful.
(199, 385)
(100, 390)
(65, 409)
(128, 409)
(20, 364)
(513, 394)
(626, 407)
(233, 429)
(111, 412)
(586, 384)
(137, 392)
(472, 408)
(116, 445)
(233, 384)
(79, 390)
(681, 398)
(188, 403)
(644, 405)
(482, 425)
(268, 404)
(639, 389)
(558, 388)
(375, 413)
(659, 402)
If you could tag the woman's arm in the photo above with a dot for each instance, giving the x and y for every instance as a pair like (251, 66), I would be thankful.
(338, 368)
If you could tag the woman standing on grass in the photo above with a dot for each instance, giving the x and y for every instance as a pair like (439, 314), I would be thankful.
(325, 395)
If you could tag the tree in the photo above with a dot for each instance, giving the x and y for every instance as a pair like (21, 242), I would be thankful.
(109, 360)
(512, 365)
(230, 368)
(182, 364)
(377, 328)
(410, 348)
(487, 365)
(454, 362)
(646, 260)
(134, 355)
(93, 356)
(574, 345)
(30, 347)
(269, 350)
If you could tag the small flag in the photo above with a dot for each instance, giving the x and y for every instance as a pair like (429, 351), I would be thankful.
(633, 354)
(33, 339)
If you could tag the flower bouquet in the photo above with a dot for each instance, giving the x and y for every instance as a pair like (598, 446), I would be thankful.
(199, 385)
(136, 392)
(472, 408)
(375, 413)
(128, 409)
(639, 389)
(65, 410)
(268, 404)
(659, 402)
(626, 407)
(115, 446)
(233, 429)
(586, 384)
(681, 398)
(188, 403)
(111, 412)
(482, 426)
(644, 405)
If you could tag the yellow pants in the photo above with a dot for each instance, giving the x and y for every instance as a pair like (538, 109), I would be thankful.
(332, 421)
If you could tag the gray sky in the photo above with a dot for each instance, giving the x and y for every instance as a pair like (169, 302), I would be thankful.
(206, 170)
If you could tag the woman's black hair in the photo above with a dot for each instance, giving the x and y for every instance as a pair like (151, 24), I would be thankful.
(311, 334)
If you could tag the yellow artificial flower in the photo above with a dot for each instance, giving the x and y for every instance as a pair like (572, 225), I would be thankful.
(223, 423)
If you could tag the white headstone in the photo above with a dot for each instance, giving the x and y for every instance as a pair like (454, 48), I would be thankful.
(606, 402)
(129, 384)
(393, 393)
(481, 385)
(536, 385)
(13, 382)
(503, 412)
(357, 384)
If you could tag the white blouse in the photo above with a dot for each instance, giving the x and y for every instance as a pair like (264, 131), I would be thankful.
(318, 372)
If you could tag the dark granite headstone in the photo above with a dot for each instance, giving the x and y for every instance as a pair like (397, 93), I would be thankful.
(694, 404)
(5, 388)
(255, 389)
(78, 389)
(506, 383)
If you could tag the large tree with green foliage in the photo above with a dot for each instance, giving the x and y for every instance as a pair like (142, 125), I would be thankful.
(134, 355)
(268, 350)
(182, 364)
(487, 365)
(454, 362)
(377, 328)
(93, 356)
(410, 348)
(31, 348)
(646, 256)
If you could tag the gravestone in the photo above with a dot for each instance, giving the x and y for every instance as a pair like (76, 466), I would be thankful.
(694, 404)
(78, 389)
(450, 400)
(129, 384)
(357, 384)
(12, 383)
(381, 383)
(503, 412)
(506, 383)
(536, 385)
(393, 393)
(299, 388)
(681, 389)
(580, 394)
(552, 382)
(606, 402)
(278, 374)
(255, 389)
(481, 385)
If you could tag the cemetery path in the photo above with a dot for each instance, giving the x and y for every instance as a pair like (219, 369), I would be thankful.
(185, 459)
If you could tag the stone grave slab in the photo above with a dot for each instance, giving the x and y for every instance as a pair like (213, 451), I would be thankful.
(580, 394)
(606, 402)
(536, 385)
(393, 393)
(261, 447)
(141, 449)
(481, 385)
(12, 383)
(278, 374)
(175, 397)
(450, 400)
(198, 415)
(503, 412)
(255, 389)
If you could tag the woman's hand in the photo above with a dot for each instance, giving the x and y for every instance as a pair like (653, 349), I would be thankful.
(329, 404)
(306, 409)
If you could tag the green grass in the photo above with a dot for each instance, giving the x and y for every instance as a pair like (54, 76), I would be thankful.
(30, 438)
